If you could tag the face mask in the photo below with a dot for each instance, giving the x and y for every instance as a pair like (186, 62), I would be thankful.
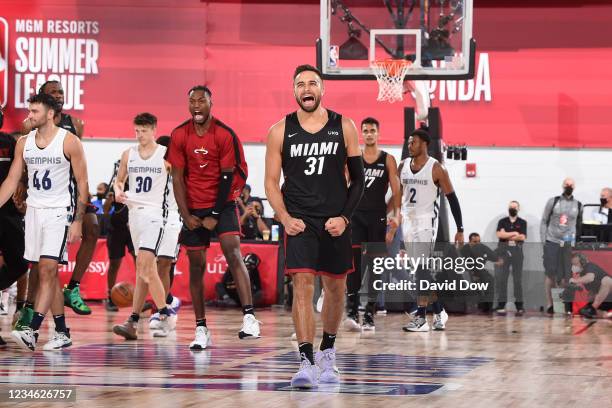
(604, 201)
(512, 212)
(568, 190)
(576, 269)
(100, 196)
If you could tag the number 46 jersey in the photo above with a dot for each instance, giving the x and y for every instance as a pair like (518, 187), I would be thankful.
(313, 168)
(49, 173)
(148, 179)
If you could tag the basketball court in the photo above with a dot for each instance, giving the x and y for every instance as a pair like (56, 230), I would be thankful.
(407, 58)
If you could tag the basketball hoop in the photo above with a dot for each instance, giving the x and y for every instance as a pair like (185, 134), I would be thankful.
(390, 75)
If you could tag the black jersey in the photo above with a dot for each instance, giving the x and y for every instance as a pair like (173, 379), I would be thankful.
(7, 154)
(376, 185)
(313, 167)
(66, 123)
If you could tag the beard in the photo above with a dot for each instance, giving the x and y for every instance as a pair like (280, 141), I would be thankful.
(314, 107)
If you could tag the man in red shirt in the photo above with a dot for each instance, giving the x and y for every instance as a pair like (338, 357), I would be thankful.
(209, 172)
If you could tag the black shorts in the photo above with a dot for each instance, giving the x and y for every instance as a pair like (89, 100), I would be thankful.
(118, 239)
(316, 251)
(199, 238)
(12, 246)
(557, 261)
(368, 226)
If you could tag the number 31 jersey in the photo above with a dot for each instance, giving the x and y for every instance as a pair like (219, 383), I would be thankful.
(421, 196)
(313, 168)
(49, 173)
(148, 179)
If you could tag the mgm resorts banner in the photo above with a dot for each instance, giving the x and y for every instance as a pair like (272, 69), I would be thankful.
(484, 274)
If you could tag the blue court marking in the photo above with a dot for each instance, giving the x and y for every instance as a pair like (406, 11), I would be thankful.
(174, 366)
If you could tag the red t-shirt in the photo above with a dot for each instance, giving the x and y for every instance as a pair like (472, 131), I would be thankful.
(203, 157)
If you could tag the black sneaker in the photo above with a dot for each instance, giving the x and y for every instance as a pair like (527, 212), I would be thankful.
(2, 342)
(550, 311)
(589, 312)
(368, 322)
(110, 306)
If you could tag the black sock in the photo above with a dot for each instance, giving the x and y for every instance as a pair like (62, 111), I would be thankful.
(135, 317)
(169, 299)
(60, 323)
(519, 305)
(306, 352)
(20, 304)
(248, 309)
(164, 311)
(568, 307)
(328, 341)
(73, 284)
(437, 307)
(37, 321)
(370, 308)
(29, 304)
(501, 305)
(201, 322)
(421, 310)
(352, 303)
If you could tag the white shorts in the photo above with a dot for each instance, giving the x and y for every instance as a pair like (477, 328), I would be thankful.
(419, 235)
(169, 247)
(146, 228)
(46, 234)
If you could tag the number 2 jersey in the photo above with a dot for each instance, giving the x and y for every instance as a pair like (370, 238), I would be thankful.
(421, 196)
(49, 173)
(148, 179)
(313, 168)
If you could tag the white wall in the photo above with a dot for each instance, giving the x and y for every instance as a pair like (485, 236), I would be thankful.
(528, 175)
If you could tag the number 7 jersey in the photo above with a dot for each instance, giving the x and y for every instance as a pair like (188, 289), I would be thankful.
(148, 179)
(49, 173)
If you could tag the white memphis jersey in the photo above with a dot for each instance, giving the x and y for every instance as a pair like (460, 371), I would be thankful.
(172, 205)
(421, 196)
(148, 179)
(49, 173)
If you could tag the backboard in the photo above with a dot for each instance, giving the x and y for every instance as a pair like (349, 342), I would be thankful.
(435, 35)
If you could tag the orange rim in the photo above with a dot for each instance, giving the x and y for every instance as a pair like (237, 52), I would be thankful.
(392, 66)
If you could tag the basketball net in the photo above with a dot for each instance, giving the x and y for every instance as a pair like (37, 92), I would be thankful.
(390, 75)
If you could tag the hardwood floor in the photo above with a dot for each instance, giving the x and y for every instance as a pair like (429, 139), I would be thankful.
(479, 361)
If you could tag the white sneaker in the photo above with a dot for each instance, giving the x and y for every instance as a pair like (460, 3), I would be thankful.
(165, 326)
(176, 304)
(59, 341)
(250, 327)
(4, 303)
(326, 361)
(319, 306)
(418, 324)
(154, 321)
(351, 323)
(307, 376)
(439, 320)
(26, 338)
(202, 339)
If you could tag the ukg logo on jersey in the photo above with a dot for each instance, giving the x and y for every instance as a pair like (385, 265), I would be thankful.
(4, 42)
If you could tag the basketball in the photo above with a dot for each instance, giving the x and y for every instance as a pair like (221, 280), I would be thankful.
(122, 294)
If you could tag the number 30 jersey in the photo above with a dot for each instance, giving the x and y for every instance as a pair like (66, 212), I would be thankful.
(421, 196)
(49, 173)
(313, 168)
(148, 179)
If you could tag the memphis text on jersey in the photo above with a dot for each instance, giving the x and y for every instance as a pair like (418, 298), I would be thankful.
(43, 160)
(144, 169)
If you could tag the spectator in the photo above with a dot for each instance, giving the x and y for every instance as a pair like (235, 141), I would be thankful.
(558, 227)
(251, 222)
(512, 232)
(592, 278)
(474, 249)
(226, 289)
(101, 192)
